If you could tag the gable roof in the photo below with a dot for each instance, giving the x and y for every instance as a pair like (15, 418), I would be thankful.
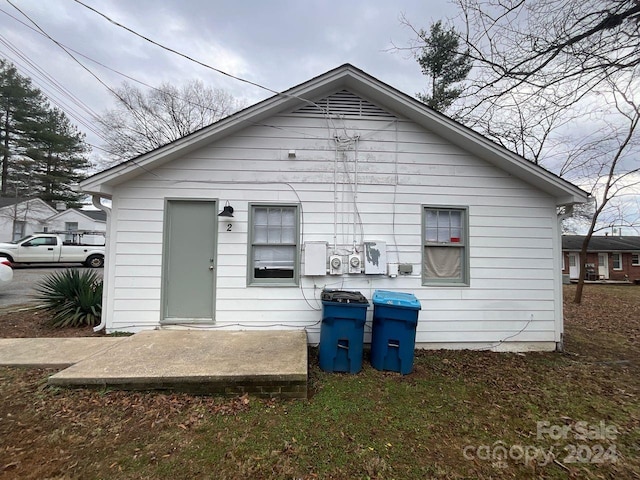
(96, 215)
(345, 77)
(11, 201)
(601, 244)
(8, 201)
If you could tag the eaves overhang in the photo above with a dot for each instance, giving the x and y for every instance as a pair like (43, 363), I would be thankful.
(350, 78)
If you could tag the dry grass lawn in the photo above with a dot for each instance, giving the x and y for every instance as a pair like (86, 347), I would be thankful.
(458, 415)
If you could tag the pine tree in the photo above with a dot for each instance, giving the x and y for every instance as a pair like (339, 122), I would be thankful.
(43, 154)
(20, 104)
(57, 151)
(441, 60)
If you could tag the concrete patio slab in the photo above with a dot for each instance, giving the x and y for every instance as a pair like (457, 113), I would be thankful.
(51, 352)
(269, 363)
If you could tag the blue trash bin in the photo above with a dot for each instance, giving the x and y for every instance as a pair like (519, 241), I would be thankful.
(342, 330)
(393, 340)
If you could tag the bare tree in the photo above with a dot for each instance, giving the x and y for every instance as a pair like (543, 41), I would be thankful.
(554, 80)
(618, 172)
(564, 48)
(143, 121)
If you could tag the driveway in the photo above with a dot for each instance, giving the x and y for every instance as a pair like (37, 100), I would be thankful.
(21, 290)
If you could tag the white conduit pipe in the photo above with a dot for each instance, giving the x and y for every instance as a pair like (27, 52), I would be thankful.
(335, 199)
(355, 193)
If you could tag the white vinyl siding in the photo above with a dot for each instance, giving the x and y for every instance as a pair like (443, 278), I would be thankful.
(72, 219)
(512, 258)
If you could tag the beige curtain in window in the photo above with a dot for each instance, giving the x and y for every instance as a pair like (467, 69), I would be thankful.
(443, 262)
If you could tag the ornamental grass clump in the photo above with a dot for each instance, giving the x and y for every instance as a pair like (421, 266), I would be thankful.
(73, 297)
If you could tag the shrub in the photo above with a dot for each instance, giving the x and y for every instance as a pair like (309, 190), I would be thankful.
(74, 297)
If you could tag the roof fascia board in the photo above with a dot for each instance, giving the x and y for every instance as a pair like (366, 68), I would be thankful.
(390, 98)
(360, 82)
(26, 202)
(65, 212)
(283, 101)
(42, 202)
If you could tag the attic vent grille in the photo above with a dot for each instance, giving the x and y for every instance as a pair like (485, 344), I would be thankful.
(346, 104)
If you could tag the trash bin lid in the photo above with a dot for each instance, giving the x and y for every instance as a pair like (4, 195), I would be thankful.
(343, 296)
(397, 299)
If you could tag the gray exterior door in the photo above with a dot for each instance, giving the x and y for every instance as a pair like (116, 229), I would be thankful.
(189, 254)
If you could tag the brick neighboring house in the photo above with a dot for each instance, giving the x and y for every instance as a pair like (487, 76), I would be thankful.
(608, 257)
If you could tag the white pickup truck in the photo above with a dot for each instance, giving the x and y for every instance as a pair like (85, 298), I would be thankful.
(59, 247)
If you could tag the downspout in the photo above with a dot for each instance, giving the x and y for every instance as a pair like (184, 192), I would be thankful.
(566, 214)
(95, 200)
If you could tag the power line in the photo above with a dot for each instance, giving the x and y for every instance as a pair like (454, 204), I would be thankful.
(169, 49)
(198, 62)
(114, 92)
(325, 112)
(117, 94)
(48, 78)
(42, 79)
(93, 60)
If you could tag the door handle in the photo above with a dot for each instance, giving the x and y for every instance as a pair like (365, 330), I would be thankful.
(50, 249)
(210, 267)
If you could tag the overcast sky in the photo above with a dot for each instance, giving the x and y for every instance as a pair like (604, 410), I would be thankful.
(275, 43)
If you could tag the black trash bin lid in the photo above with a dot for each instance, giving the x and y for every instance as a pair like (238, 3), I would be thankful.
(343, 296)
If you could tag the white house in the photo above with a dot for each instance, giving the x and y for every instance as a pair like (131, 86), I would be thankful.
(340, 167)
(73, 219)
(20, 217)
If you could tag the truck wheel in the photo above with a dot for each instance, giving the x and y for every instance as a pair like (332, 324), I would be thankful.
(95, 261)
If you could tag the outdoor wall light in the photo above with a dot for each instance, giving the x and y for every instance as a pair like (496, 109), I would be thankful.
(227, 211)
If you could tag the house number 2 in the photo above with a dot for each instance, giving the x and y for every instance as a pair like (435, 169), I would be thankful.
(228, 227)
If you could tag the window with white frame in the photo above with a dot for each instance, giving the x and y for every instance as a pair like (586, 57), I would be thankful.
(273, 244)
(635, 259)
(617, 261)
(445, 246)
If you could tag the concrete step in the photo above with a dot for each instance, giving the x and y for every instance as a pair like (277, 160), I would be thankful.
(51, 352)
(270, 363)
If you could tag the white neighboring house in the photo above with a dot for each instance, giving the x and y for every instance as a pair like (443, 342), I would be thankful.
(23, 216)
(342, 166)
(20, 217)
(73, 219)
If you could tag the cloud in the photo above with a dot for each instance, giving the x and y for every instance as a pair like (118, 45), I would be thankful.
(278, 44)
